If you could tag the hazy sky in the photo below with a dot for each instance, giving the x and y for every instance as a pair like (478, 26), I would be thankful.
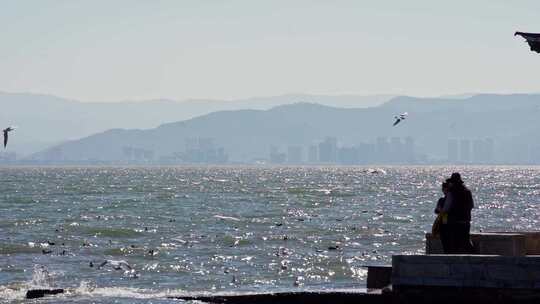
(118, 50)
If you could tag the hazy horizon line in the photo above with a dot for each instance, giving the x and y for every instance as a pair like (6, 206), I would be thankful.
(292, 94)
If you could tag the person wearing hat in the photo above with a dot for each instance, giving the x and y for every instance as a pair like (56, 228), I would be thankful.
(455, 233)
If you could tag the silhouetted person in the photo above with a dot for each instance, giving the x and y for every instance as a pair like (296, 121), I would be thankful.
(440, 202)
(437, 224)
(455, 234)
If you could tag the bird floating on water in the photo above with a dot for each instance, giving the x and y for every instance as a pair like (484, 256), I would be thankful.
(400, 117)
(116, 265)
(6, 131)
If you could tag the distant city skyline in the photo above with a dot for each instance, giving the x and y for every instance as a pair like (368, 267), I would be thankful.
(483, 129)
(139, 50)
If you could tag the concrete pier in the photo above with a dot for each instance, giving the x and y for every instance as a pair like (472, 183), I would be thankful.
(379, 276)
(477, 271)
(419, 279)
(495, 243)
(300, 297)
(532, 242)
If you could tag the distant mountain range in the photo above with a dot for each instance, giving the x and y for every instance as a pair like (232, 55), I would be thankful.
(510, 120)
(46, 120)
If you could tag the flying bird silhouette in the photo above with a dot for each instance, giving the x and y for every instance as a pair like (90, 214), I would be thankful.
(400, 118)
(6, 131)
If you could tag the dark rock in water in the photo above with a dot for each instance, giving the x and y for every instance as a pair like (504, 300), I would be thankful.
(40, 293)
(46, 251)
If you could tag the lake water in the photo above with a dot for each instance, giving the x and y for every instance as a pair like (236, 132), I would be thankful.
(195, 230)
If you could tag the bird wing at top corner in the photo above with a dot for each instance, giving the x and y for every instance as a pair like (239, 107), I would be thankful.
(533, 39)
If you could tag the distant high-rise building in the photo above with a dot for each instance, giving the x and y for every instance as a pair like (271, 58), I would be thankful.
(452, 150)
(148, 154)
(409, 150)
(277, 157)
(382, 149)
(478, 151)
(206, 144)
(313, 156)
(465, 151)
(396, 150)
(490, 149)
(192, 143)
(127, 152)
(295, 154)
(138, 154)
(203, 150)
(366, 153)
(221, 156)
(328, 150)
(534, 154)
(348, 155)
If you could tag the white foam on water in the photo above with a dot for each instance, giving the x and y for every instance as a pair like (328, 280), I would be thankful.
(12, 293)
(41, 278)
(89, 289)
(86, 289)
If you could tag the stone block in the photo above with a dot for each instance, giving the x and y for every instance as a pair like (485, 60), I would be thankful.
(509, 244)
(468, 271)
(432, 270)
(532, 242)
(443, 282)
(534, 276)
(414, 281)
(480, 283)
(506, 272)
(497, 243)
(379, 276)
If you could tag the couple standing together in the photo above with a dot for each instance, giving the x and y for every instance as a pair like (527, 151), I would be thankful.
(453, 223)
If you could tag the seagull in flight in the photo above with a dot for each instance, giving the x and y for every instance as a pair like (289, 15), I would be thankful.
(6, 131)
(400, 117)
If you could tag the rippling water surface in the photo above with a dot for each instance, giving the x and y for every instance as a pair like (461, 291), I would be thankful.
(227, 229)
